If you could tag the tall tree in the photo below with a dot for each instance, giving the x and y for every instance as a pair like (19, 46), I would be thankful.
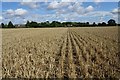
(2, 24)
(94, 24)
(27, 24)
(10, 25)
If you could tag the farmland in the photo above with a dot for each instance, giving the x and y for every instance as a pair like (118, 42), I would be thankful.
(60, 53)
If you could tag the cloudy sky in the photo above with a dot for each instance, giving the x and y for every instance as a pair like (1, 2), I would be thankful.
(94, 11)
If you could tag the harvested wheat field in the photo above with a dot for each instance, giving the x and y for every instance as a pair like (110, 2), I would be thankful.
(60, 53)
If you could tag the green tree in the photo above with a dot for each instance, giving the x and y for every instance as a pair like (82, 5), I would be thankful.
(2, 24)
(10, 25)
(104, 24)
(99, 24)
(34, 24)
(55, 24)
(94, 24)
(111, 22)
(27, 24)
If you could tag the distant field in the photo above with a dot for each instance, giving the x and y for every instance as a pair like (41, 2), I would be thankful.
(60, 53)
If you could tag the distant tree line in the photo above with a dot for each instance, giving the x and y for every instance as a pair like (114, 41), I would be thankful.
(9, 25)
(34, 24)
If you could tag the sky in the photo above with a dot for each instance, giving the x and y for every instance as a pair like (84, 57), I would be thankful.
(94, 11)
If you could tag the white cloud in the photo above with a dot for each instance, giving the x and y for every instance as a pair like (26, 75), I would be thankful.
(76, 0)
(60, 0)
(98, 1)
(10, 12)
(100, 16)
(80, 10)
(89, 8)
(1, 17)
(67, 7)
(62, 11)
(17, 12)
(99, 13)
(53, 5)
(31, 4)
(12, 15)
(56, 5)
(116, 11)
(77, 7)
(20, 12)
(33, 0)
(28, 0)
(69, 0)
